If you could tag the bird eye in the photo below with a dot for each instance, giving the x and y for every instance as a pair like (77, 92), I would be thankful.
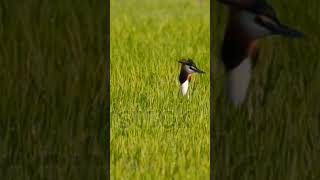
(192, 68)
(267, 19)
(264, 20)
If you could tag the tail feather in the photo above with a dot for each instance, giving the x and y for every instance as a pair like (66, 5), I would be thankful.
(238, 80)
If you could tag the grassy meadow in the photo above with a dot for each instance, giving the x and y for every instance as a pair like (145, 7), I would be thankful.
(53, 89)
(156, 133)
(275, 134)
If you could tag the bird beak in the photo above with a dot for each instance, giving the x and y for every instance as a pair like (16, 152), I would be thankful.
(198, 70)
(284, 30)
(181, 62)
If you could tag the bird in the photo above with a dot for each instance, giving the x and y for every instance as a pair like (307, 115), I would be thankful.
(248, 22)
(188, 67)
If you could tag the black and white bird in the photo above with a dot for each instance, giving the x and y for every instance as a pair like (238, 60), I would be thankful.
(188, 67)
(248, 21)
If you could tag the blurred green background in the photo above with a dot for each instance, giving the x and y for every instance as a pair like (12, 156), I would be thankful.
(275, 134)
(155, 132)
(53, 89)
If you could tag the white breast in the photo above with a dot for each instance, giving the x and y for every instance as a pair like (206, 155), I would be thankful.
(184, 87)
(238, 82)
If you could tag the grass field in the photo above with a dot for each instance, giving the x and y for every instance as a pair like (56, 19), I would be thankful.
(53, 89)
(156, 133)
(275, 134)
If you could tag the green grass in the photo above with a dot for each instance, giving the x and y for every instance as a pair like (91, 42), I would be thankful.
(275, 134)
(156, 133)
(53, 90)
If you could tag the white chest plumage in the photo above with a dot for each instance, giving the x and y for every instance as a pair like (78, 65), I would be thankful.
(238, 81)
(184, 87)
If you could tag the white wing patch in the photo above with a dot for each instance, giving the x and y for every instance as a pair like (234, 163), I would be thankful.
(184, 87)
(238, 81)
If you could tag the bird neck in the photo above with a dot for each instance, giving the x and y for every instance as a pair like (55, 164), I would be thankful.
(184, 76)
(236, 47)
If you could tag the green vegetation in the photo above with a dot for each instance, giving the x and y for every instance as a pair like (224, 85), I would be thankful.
(53, 89)
(156, 133)
(275, 135)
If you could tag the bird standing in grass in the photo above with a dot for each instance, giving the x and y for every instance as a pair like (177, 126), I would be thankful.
(249, 21)
(187, 68)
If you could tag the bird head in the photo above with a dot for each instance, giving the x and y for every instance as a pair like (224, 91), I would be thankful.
(258, 19)
(189, 66)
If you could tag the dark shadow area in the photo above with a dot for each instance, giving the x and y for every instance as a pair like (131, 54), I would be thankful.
(54, 89)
